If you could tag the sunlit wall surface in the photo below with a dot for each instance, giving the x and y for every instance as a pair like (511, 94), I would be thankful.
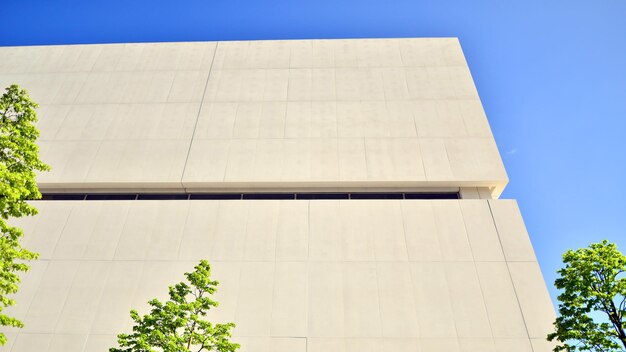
(369, 116)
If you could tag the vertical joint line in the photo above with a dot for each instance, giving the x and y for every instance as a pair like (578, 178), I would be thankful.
(193, 134)
(506, 262)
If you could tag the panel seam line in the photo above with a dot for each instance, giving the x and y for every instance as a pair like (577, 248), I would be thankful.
(508, 269)
(195, 126)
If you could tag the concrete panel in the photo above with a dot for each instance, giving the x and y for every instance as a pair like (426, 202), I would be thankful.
(207, 161)
(433, 307)
(436, 163)
(360, 300)
(288, 345)
(501, 300)
(188, 86)
(325, 242)
(289, 305)
(32, 342)
(75, 236)
(397, 307)
(439, 345)
(451, 231)
(229, 241)
(106, 233)
(384, 222)
(352, 159)
(513, 345)
(470, 315)
(472, 344)
(311, 84)
(261, 230)
(533, 297)
(199, 233)
(82, 301)
(297, 160)
(216, 120)
(254, 303)
(156, 162)
(325, 345)
(420, 229)
(511, 230)
(326, 306)
(417, 88)
(400, 345)
(356, 232)
(324, 159)
(46, 228)
(473, 158)
(71, 161)
(47, 304)
(137, 231)
(292, 236)
(345, 275)
(113, 311)
(438, 118)
(481, 231)
(62, 343)
(100, 342)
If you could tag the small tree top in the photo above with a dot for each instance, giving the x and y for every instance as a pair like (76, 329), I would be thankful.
(179, 324)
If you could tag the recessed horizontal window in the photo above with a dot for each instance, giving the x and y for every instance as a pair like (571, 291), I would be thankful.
(246, 196)
(269, 196)
(215, 196)
(323, 196)
(62, 196)
(431, 196)
(97, 196)
(376, 196)
(148, 196)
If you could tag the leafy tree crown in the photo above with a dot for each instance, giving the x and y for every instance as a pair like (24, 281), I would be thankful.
(19, 162)
(179, 324)
(592, 304)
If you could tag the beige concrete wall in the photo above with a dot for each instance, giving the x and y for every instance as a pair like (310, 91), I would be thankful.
(243, 115)
(295, 276)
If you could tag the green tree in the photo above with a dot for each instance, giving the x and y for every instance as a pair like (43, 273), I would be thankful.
(178, 325)
(19, 160)
(593, 300)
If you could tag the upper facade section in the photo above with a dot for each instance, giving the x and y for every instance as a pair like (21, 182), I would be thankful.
(281, 115)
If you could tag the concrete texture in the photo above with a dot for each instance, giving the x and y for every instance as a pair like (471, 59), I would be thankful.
(309, 114)
(294, 275)
(360, 115)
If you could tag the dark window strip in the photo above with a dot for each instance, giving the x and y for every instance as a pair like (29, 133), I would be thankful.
(322, 196)
(431, 196)
(250, 196)
(154, 196)
(215, 196)
(98, 196)
(376, 195)
(62, 196)
(260, 196)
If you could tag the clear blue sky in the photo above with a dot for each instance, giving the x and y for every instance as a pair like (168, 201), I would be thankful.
(551, 76)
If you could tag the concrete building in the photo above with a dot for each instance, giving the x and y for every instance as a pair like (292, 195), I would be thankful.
(360, 146)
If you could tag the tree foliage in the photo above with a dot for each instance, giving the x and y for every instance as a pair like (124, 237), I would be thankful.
(593, 300)
(178, 325)
(19, 160)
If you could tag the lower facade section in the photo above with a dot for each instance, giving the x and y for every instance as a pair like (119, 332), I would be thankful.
(295, 275)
